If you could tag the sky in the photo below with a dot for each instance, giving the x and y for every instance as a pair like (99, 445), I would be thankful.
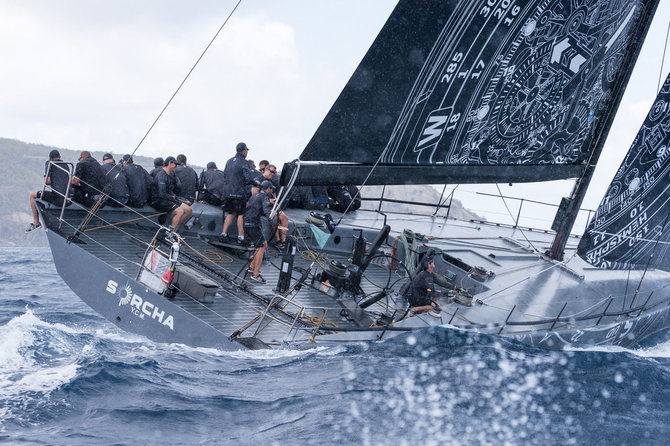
(94, 75)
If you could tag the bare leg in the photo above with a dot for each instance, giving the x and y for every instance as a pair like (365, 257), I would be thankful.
(283, 227)
(227, 222)
(240, 226)
(258, 259)
(422, 308)
(36, 218)
(185, 214)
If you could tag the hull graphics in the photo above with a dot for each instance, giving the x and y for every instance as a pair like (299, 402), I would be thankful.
(625, 333)
(128, 304)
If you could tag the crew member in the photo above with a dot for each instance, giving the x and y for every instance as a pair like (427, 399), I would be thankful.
(116, 178)
(139, 182)
(88, 180)
(159, 162)
(237, 179)
(280, 223)
(211, 185)
(164, 189)
(56, 176)
(257, 207)
(188, 179)
(421, 296)
(256, 175)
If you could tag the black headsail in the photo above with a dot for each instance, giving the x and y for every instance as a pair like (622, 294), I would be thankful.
(516, 90)
(631, 222)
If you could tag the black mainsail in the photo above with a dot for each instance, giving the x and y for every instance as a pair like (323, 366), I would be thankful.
(516, 90)
(630, 228)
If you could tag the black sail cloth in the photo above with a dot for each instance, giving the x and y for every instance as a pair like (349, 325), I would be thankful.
(516, 91)
(630, 228)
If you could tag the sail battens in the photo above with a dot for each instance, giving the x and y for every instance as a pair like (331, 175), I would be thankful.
(630, 225)
(478, 84)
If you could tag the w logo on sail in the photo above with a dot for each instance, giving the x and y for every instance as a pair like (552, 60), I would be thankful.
(437, 123)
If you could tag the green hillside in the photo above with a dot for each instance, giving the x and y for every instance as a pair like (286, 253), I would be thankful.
(24, 164)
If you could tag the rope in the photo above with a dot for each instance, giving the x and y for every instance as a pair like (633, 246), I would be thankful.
(660, 74)
(126, 221)
(219, 257)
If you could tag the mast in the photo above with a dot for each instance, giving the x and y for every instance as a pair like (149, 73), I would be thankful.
(569, 207)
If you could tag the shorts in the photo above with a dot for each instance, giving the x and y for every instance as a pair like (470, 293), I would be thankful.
(255, 236)
(212, 199)
(165, 205)
(51, 197)
(235, 205)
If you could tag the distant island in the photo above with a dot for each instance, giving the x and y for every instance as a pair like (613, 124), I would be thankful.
(24, 163)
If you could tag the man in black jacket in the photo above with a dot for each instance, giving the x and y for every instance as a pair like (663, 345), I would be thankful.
(237, 179)
(258, 206)
(159, 162)
(164, 194)
(116, 178)
(188, 179)
(139, 182)
(211, 185)
(88, 180)
(56, 176)
(421, 296)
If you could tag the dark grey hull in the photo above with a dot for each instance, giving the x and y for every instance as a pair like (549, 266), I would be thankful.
(527, 297)
(103, 288)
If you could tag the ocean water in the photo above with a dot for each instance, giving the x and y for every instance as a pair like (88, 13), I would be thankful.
(69, 377)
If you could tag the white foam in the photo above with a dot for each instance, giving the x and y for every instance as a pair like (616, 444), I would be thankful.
(41, 380)
(19, 371)
(657, 351)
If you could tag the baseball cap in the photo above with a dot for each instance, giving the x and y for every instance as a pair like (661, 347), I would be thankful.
(54, 154)
(170, 159)
(241, 147)
(107, 156)
(265, 184)
(211, 165)
(158, 161)
(127, 158)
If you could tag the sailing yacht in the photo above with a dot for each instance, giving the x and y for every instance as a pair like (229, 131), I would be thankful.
(486, 91)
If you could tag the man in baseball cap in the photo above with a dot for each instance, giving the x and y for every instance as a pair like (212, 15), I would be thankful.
(238, 178)
(165, 199)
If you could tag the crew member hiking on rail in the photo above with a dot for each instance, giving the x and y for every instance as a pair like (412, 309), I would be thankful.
(57, 178)
(88, 180)
(165, 188)
(139, 182)
(116, 178)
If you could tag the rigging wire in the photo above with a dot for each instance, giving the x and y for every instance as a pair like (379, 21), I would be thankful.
(510, 214)
(98, 203)
(660, 75)
(187, 76)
